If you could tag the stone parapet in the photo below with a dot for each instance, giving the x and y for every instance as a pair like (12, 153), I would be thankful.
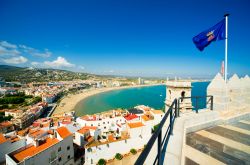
(234, 95)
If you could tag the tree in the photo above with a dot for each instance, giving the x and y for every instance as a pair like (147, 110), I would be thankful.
(37, 100)
(102, 162)
(133, 151)
(118, 156)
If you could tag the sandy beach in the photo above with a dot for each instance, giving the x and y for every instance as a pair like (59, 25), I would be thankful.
(69, 102)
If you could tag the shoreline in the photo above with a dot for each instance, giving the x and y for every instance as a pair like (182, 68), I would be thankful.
(69, 102)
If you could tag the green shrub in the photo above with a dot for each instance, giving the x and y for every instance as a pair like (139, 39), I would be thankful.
(133, 151)
(155, 127)
(101, 162)
(118, 156)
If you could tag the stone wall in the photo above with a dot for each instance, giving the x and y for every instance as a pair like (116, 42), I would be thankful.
(233, 95)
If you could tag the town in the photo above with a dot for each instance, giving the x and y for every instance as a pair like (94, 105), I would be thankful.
(30, 131)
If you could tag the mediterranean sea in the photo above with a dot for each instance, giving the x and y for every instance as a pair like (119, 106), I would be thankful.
(153, 96)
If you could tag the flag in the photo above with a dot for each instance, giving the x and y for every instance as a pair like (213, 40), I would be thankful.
(217, 32)
(222, 68)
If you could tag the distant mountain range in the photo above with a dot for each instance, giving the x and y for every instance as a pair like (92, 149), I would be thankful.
(25, 74)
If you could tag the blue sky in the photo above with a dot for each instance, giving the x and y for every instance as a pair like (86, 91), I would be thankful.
(125, 37)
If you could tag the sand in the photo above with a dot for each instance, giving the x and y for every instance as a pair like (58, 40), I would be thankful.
(69, 102)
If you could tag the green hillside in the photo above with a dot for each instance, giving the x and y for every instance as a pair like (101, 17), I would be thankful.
(13, 73)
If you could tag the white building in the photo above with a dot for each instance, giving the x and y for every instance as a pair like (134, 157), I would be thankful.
(14, 113)
(8, 144)
(140, 81)
(135, 136)
(120, 135)
(103, 123)
(55, 148)
(49, 98)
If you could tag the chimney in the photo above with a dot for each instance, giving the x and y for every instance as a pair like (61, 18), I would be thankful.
(36, 143)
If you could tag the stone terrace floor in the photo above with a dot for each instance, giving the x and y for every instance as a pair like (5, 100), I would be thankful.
(222, 144)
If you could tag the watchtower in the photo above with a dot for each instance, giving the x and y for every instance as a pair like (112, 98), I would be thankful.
(178, 89)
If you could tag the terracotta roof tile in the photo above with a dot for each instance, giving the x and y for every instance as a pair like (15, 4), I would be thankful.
(111, 138)
(90, 127)
(63, 132)
(5, 124)
(145, 117)
(135, 125)
(37, 133)
(131, 116)
(33, 150)
(2, 139)
(82, 130)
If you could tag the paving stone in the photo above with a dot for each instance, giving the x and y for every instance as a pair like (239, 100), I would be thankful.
(216, 149)
(241, 125)
(190, 162)
(230, 134)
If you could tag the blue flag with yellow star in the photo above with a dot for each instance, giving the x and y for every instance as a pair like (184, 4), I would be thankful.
(217, 32)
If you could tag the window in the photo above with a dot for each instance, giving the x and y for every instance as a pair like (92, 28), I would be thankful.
(103, 122)
(68, 156)
(68, 147)
(104, 127)
(59, 159)
(59, 149)
(91, 124)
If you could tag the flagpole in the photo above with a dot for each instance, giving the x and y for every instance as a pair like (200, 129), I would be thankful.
(226, 35)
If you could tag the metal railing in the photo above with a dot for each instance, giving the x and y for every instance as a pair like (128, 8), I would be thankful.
(158, 135)
(173, 112)
(197, 98)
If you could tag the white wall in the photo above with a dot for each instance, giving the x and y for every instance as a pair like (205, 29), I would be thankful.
(103, 124)
(8, 147)
(47, 155)
(231, 95)
(122, 147)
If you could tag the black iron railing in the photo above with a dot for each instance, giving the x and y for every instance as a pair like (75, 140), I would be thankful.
(172, 114)
(209, 101)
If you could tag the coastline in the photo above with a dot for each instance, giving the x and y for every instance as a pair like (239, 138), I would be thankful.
(68, 103)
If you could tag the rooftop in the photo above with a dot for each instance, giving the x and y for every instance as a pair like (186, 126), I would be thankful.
(89, 118)
(85, 129)
(63, 132)
(5, 124)
(179, 83)
(82, 131)
(135, 111)
(135, 125)
(37, 133)
(131, 116)
(157, 112)
(33, 150)
(110, 139)
(2, 139)
(145, 118)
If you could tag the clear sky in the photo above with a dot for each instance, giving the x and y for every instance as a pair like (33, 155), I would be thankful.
(123, 37)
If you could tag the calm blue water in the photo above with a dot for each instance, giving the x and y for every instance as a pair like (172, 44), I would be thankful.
(152, 96)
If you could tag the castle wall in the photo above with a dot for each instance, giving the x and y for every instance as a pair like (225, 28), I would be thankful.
(233, 95)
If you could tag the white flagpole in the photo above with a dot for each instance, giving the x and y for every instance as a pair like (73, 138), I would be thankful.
(226, 35)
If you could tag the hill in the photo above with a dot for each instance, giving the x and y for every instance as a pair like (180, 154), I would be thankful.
(25, 75)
